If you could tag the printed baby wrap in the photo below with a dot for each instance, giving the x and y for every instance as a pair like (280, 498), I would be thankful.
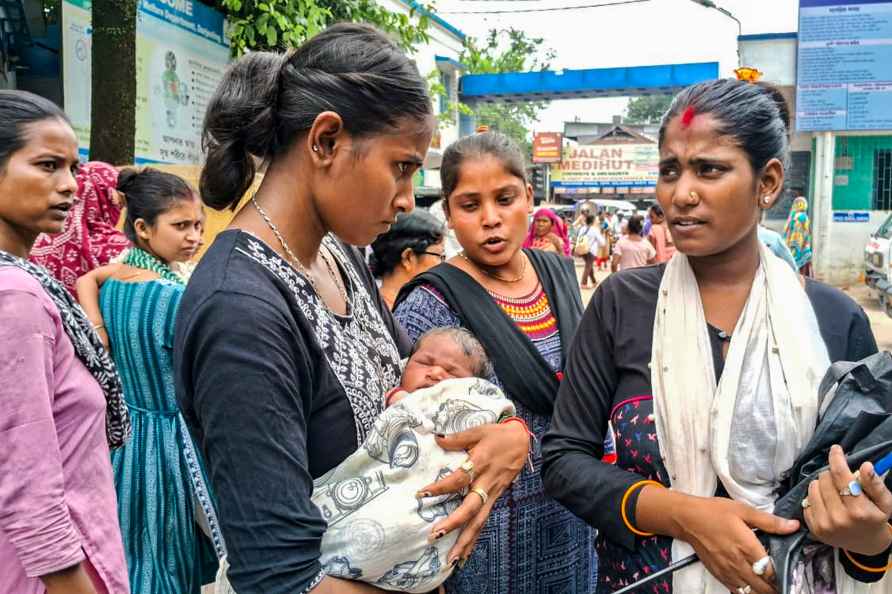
(377, 529)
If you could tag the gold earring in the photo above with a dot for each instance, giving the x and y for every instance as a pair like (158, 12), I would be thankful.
(766, 199)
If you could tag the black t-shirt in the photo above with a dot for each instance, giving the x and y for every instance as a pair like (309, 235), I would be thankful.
(607, 379)
(258, 392)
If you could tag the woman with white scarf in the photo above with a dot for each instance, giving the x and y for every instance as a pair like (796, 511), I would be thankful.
(707, 367)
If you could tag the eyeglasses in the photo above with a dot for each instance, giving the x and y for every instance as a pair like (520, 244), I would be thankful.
(442, 257)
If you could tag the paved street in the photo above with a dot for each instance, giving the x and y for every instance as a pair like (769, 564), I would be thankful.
(879, 321)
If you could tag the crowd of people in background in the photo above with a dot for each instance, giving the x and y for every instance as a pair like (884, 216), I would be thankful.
(165, 425)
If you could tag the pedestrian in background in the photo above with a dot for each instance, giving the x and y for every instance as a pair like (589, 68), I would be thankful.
(632, 250)
(415, 243)
(590, 243)
(659, 236)
(60, 395)
(548, 233)
(797, 235)
(91, 238)
(524, 306)
(160, 477)
(708, 369)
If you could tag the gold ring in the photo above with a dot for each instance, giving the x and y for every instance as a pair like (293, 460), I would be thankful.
(480, 492)
(468, 467)
(806, 503)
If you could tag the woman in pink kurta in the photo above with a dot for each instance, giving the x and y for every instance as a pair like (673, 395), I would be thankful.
(60, 397)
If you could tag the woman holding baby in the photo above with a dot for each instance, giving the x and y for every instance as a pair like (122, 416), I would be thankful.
(284, 349)
(524, 306)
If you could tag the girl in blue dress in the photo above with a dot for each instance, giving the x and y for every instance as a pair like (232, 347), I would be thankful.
(171, 537)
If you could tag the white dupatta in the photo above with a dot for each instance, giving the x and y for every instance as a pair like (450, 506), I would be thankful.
(775, 363)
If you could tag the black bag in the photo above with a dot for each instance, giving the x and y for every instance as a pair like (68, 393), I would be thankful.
(858, 418)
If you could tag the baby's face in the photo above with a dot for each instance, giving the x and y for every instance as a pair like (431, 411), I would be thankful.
(437, 359)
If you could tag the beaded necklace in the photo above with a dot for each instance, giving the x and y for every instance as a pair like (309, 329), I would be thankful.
(139, 258)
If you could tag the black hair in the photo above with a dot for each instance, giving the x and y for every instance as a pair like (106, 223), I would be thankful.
(756, 116)
(635, 225)
(469, 344)
(266, 100)
(589, 219)
(494, 144)
(657, 210)
(417, 230)
(19, 109)
(148, 193)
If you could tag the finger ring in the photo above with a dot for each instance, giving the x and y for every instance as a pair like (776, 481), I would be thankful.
(761, 566)
(853, 489)
(744, 589)
(481, 493)
(468, 467)
(806, 503)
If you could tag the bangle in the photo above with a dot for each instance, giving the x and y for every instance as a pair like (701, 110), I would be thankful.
(531, 435)
(98, 327)
(866, 568)
(518, 420)
(863, 567)
(629, 491)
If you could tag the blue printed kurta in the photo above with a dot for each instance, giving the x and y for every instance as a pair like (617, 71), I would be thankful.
(530, 544)
(158, 476)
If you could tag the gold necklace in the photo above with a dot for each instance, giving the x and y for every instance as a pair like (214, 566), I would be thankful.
(509, 281)
(336, 278)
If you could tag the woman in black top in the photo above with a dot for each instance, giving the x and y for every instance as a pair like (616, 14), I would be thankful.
(723, 147)
(284, 349)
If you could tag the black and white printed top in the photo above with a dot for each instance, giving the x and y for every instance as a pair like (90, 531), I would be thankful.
(277, 390)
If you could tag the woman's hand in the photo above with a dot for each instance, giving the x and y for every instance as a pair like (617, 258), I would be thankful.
(859, 524)
(73, 580)
(498, 453)
(719, 529)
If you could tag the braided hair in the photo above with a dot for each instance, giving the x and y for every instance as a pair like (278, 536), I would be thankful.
(266, 100)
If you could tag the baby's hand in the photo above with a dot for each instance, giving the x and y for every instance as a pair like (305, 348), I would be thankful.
(394, 396)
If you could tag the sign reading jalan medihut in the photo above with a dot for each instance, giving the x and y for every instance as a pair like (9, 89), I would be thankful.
(607, 165)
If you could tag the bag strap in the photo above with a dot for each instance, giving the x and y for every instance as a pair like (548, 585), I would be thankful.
(839, 370)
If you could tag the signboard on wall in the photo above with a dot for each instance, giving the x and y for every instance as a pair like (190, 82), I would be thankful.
(620, 166)
(844, 65)
(547, 147)
(181, 53)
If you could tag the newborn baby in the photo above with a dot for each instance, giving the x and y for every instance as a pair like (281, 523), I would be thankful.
(377, 529)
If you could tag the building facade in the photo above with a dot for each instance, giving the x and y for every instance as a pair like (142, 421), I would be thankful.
(861, 186)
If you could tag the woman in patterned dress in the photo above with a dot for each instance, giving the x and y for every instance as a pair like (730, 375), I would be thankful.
(524, 306)
(160, 481)
(284, 348)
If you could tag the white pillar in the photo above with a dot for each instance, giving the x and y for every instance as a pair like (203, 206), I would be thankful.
(822, 205)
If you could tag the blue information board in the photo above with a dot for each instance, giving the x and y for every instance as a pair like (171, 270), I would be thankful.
(845, 65)
(851, 216)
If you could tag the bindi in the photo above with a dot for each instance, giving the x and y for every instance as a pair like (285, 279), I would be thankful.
(688, 116)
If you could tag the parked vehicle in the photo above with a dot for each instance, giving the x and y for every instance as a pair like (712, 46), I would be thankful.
(878, 264)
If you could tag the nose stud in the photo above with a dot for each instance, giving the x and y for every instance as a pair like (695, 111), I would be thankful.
(694, 195)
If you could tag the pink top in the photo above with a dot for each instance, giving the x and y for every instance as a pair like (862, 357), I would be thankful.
(633, 254)
(57, 496)
(662, 242)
